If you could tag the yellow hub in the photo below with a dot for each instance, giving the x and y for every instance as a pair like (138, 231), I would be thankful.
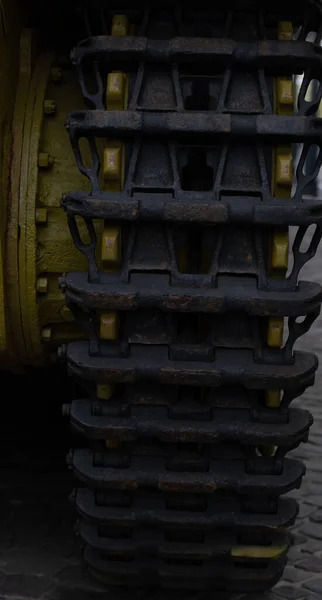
(38, 246)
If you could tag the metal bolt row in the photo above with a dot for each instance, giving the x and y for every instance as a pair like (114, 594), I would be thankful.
(46, 161)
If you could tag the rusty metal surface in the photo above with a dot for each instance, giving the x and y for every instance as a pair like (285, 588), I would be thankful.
(205, 126)
(269, 53)
(157, 292)
(95, 420)
(179, 206)
(192, 365)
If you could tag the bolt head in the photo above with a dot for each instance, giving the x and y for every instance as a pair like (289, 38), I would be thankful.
(50, 107)
(46, 334)
(41, 216)
(42, 285)
(45, 160)
(66, 314)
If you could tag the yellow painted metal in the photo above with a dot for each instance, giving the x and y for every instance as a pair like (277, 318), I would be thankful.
(111, 248)
(116, 91)
(113, 168)
(10, 27)
(120, 25)
(285, 94)
(279, 253)
(41, 216)
(275, 333)
(282, 188)
(105, 391)
(42, 285)
(27, 247)
(271, 552)
(45, 160)
(285, 30)
(39, 247)
(109, 326)
(273, 398)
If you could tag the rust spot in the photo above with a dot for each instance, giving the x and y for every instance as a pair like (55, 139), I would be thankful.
(127, 485)
(166, 486)
(174, 302)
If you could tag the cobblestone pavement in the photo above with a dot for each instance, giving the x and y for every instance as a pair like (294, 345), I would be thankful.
(39, 557)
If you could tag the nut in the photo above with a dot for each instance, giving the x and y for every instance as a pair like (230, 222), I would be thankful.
(42, 285)
(41, 216)
(50, 107)
(66, 314)
(46, 334)
(45, 160)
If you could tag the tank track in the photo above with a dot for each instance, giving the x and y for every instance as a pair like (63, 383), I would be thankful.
(187, 384)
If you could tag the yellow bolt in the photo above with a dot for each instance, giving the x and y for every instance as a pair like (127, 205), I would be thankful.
(120, 25)
(285, 30)
(42, 285)
(285, 91)
(280, 246)
(273, 398)
(275, 332)
(284, 169)
(56, 74)
(104, 391)
(45, 160)
(267, 450)
(116, 91)
(112, 166)
(109, 326)
(46, 334)
(112, 444)
(41, 216)
(111, 246)
(50, 107)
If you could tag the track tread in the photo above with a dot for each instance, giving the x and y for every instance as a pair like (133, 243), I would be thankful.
(176, 445)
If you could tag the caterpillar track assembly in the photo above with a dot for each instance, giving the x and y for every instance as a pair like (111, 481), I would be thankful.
(150, 255)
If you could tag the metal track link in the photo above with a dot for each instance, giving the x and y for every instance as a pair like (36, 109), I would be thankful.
(187, 366)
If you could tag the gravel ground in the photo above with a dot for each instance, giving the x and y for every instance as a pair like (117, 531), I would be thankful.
(40, 559)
